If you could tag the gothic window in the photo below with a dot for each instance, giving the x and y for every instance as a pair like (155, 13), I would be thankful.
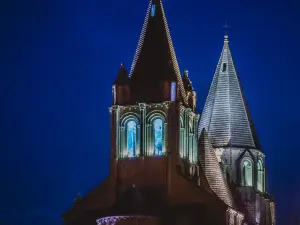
(131, 138)
(260, 175)
(247, 173)
(158, 136)
(173, 91)
(153, 10)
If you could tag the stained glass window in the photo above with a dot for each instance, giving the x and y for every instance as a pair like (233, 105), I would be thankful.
(158, 136)
(260, 176)
(131, 138)
(153, 10)
(173, 91)
(247, 173)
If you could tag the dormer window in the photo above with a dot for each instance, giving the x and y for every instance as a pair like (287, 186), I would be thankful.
(173, 91)
(224, 67)
(153, 10)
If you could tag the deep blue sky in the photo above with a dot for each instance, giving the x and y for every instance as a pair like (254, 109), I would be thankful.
(58, 62)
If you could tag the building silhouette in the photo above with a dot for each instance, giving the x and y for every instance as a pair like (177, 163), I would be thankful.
(168, 164)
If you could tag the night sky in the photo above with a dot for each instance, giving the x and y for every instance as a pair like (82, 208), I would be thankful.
(59, 60)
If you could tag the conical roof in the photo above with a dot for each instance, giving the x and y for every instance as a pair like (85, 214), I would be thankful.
(122, 77)
(213, 173)
(187, 82)
(226, 116)
(155, 60)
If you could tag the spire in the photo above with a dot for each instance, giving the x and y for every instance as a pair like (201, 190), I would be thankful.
(186, 81)
(226, 116)
(122, 77)
(155, 60)
(212, 170)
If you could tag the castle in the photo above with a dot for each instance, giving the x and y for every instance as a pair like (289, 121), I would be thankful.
(168, 164)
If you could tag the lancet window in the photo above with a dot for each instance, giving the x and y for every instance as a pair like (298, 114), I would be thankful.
(173, 91)
(131, 138)
(260, 175)
(247, 170)
(153, 10)
(158, 136)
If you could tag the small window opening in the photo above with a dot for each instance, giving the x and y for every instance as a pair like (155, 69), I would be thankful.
(173, 91)
(153, 10)
(114, 94)
(224, 67)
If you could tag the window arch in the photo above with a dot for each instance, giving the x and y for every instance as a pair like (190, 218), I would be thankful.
(247, 170)
(131, 138)
(260, 175)
(158, 136)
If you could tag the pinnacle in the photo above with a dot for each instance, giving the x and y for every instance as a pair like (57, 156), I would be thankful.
(122, 77)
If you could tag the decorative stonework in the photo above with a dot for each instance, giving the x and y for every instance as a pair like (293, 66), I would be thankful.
(272, 210)
(231, 214)
(239, 219)
(114, 220)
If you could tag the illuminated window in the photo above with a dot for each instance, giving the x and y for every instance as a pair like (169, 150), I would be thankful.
(173, 91)
(224, 66)
(158, 136)
(131, 139)
(260, 175)
(247, 173)
(114, 94)
(153, 10)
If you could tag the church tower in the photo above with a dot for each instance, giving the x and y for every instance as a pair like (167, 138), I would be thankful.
(152, 104)
(226, 119)
(166, 168)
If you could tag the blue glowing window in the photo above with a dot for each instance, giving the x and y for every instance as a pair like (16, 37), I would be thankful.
(158, 136)
(131, 138)
(153, 10)
(173, 91)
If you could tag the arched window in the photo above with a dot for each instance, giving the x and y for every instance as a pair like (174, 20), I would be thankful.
(247, 173)
(131, 138)
(260, 175)
(158, 136)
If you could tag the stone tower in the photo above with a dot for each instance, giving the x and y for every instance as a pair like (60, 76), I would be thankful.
(164, 168)
(226, 119)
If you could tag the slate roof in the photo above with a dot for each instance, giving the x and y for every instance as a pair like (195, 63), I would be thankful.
(155, 60)
(212, 170)
(226, 116)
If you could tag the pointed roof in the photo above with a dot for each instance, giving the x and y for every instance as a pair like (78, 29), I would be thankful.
(187, 82)
(226, 116)
(122, 77)
(213, 173)
(155, 60)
